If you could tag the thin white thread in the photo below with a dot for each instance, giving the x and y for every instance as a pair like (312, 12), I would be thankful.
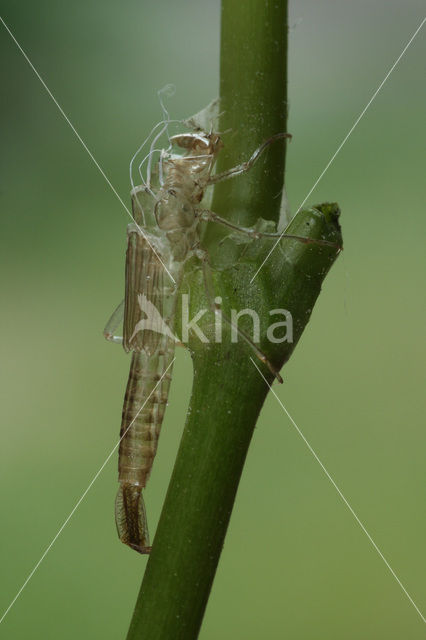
(84, 145)
(341, 495)
(346, 138)
(79, 501)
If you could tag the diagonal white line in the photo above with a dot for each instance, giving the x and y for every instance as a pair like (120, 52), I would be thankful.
(102, 172)
(341, 495)
(346, 138)
(80, 500)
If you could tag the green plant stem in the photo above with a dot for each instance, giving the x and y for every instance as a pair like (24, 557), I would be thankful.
(189, 539)
(228, 391)
(253, 106)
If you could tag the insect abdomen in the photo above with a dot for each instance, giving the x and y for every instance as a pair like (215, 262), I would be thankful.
(144, 405)
(143, 411)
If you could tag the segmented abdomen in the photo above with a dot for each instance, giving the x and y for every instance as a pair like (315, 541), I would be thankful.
(148, 310)
(143, 411)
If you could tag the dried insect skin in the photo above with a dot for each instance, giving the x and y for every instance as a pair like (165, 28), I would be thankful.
(147, 387)
(130, 518)
(152, 257)
(183, 189)
(173, 240)
(139, 442)
(140, 429)
(144, 274)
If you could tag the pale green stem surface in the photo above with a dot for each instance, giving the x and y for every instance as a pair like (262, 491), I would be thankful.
(228, 391)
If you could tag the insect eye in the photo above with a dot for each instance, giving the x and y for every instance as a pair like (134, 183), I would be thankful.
(201, 145)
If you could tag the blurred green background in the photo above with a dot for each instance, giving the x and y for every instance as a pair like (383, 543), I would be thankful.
(305, 571)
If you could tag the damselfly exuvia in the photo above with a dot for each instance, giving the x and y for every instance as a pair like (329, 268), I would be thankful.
(165, 234)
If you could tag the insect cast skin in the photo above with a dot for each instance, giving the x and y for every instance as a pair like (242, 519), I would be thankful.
(185, 180)
(149, 382)
(187, 177)
(150, 372)
(175, 239)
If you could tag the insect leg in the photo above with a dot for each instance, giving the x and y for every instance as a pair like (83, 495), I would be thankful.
(246, 166)
(217, 309)
(210, 216)
(111, 326)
